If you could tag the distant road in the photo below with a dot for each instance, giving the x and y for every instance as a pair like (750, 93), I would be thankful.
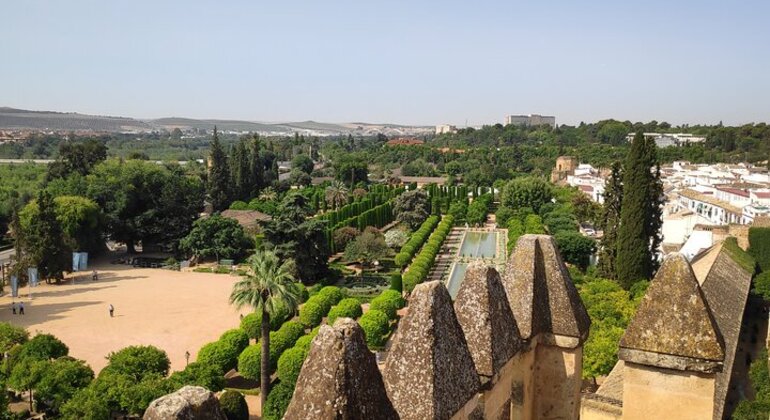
(39, 161)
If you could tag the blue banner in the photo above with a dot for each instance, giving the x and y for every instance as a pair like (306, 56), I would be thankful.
(32, 273)
(14, 286)
(75, 261)
(83, 261)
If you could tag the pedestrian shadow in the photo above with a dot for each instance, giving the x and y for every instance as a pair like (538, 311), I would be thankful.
(61, 291)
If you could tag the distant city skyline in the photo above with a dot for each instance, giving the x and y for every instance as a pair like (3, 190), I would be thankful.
(414, 63)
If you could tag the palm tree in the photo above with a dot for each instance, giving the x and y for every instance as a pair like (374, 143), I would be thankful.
(268, 194)
(267, 287)
(336, 194)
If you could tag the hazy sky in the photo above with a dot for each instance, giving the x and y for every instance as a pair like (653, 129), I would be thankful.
(411, 62)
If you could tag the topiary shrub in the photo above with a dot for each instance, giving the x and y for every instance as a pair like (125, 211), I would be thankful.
(284, 339)
(346, 308)
(306, 340)
(332, 293)
(234, 405)
(237, 338)
(311, 313)
(219, 354)
(138, 361)
(388, 302)
(396, 283)
(198, 374)
(376, 326)
(249, 362)
(290, 364)
(277, 402)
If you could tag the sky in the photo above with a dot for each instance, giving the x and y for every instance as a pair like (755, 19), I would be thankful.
(408, 62)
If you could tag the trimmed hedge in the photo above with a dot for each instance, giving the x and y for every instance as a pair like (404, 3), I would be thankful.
(198, 374)
(277, 402)
(249, 362)
(421, 265)
(313, 311)
(290, 364)
(219, 354)
(346, 308)
(252, 323)
(376, 326)
(389, 301)
(416, 241)
(236, 338)
(234, 405)
(396, 283)
(284, 339)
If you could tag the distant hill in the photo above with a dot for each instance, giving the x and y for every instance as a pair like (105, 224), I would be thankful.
(20, 119)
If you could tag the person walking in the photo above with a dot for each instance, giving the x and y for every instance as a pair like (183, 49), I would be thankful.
(21, 308)
(112, 311)
(94, 276)
(13, 307)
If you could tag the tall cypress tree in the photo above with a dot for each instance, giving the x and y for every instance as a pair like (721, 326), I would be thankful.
(639, 217)
(610, 223)
(240, 168)
(219, 175)
(656, 201)
(257, 167)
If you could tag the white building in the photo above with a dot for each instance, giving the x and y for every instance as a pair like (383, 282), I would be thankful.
(531, 120)
(670, 139)
(588, 180)
(445, 129)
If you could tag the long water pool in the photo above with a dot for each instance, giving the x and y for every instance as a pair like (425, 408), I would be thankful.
(479, 245)
(456, 278)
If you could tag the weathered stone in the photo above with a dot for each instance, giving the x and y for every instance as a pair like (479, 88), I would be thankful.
(541, 293)
(673, 326)
(429, 373)
(486, 319)
(188, 403)
(340, 378)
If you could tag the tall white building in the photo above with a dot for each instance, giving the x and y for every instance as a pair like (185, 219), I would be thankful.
(530, 120)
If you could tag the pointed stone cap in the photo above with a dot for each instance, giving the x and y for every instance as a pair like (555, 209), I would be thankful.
(340, 378)
(541, 293)
(673, 327)
(429, 373)
(486, 319)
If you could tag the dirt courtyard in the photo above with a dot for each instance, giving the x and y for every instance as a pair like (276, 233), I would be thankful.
(174, 311)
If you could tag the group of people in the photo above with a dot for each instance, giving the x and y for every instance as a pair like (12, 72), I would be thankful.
(20, 306)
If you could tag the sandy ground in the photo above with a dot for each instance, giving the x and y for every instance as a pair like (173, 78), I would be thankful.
(171, 310)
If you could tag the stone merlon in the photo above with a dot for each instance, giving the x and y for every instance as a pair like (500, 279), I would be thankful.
(541, 294)
(340, 378)
(429, 373)
(486, 319)
(673, 326)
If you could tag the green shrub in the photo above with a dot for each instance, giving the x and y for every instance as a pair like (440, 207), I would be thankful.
(304, 295)
(388, 302)
(290, 364)
(138, 361)
(277, 402)
(346, 308)
(249, 362)
(311, 313)
(762, 285)
(11, 335)
(219, 354)
(236, 338)
(284, 339)
(198, 374)
(396, 282)
(306, 340)
(376, 326)
(333, 293)
(252, 323)
(234, 405)
(759, 246)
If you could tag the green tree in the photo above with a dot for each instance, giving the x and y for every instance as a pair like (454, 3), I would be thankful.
(351, 169)
(336, 195)
(138, 362)
(609, 222)
(45, 241)
(267, 287)
(639, 215)
(529, 192)
(79, 218)
(60, 380)
(240, 170)
(412, 208)
(302, 162)
(77, 158)
(216, 236)
(367, 247)
(575, 248)
(219, 175)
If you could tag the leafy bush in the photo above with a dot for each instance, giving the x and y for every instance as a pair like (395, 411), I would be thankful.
(219, 354)
(249, 362)
(234, 405)
(43, 347)
(376, 326)
(388, 302)
(284, 339)
(236, 338)
(759, 246)
(311, 313)
(762, 285)
(527, 192)
(61, 379)
(290, 364)
(575, 248)
(252, 323)
(396, 238)
(332, 293)
(277, 402)
(198, 374)
(306, 340)
(396, 283)
(346, 308)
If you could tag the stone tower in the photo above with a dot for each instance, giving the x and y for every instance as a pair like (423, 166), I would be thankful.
(553, 321)
(672, 349)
